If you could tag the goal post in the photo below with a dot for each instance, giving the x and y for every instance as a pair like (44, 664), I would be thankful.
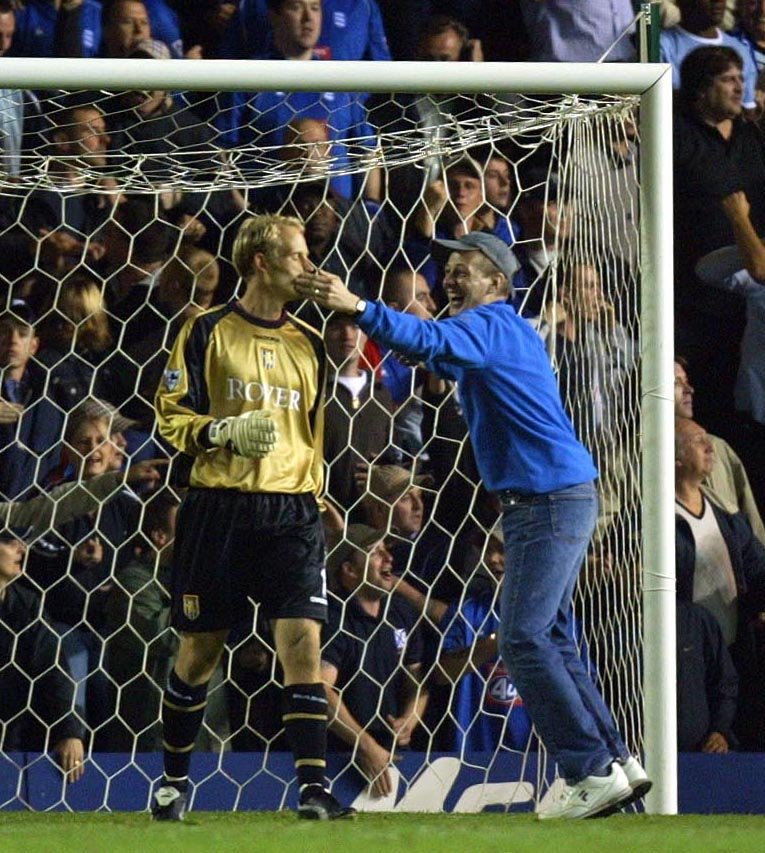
(658, 445)
(651, 83)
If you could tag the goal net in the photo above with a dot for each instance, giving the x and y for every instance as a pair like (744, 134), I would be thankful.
(119, 211)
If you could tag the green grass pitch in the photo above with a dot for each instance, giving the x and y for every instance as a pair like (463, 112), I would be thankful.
(392, 833)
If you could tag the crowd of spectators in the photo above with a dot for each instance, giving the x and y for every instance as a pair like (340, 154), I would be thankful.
(97, 281)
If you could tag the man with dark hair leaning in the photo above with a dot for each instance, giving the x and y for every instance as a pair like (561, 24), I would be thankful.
(717, 152)
(243, 392)
(527, 452)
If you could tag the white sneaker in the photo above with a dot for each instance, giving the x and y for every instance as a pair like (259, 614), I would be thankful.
(594, 796)
(636, 776)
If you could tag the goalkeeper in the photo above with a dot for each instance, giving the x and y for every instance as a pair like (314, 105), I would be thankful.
(527, 452)
(243, 393)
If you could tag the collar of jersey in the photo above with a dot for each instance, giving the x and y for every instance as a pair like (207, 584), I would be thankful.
(259, 321)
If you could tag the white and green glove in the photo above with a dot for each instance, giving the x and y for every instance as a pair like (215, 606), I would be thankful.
(253, 434)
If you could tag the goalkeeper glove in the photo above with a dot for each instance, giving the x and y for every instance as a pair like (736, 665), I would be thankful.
(253, 434)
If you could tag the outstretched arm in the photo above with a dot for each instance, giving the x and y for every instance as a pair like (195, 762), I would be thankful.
(464, 341)
(70, 500)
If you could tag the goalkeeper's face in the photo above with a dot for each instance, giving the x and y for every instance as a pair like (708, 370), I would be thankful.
(285, 262)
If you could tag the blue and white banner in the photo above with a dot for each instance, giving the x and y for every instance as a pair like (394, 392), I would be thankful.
(732, 783)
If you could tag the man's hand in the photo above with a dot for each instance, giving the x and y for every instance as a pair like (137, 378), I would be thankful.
(10, 412)
(70, 754)
(474, 50)
(374, 762)
(715, 742)
(332, 520)
(607, 315)
(327, 290)
(150, 471)
(253, 434)
(193, 229)
(436, 197)
(403, 728)
(736, 206)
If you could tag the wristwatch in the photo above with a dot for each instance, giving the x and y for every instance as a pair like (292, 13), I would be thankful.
(360, 307)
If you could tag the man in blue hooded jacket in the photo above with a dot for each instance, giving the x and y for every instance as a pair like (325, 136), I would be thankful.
(527, 452)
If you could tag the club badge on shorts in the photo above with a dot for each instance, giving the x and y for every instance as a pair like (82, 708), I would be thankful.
(191, 606)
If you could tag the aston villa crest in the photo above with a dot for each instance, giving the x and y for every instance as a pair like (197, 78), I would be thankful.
(191, 606)
(268, 358)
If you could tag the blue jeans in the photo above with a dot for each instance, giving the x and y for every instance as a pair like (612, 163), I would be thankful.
(546, 539)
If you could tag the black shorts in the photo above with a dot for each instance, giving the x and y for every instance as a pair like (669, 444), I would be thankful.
(231, 546)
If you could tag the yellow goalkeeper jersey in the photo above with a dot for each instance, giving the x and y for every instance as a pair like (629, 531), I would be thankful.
(225, 362)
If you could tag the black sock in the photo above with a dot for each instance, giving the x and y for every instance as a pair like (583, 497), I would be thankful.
(304, 714)
(183, 708)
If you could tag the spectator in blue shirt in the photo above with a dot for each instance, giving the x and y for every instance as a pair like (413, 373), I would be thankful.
(30, 425)
(351, 29)
(125, 23)
(51, 28)
(579, 30)
(165, 25)
(486, 706)
(751, 31)
(456, 204)
(700, 27)
(75, 564)
(264, 117)
(527, 452)
(112, 29)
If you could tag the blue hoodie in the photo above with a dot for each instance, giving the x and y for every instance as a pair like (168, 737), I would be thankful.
(522, 437)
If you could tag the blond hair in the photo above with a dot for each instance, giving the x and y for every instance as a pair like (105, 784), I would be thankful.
(81, 302)
(188, 267)
(262, 234)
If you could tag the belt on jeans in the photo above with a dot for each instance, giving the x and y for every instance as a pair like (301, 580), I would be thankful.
(512, 498)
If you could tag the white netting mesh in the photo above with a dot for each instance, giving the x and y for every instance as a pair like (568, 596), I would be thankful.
(119, 225)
